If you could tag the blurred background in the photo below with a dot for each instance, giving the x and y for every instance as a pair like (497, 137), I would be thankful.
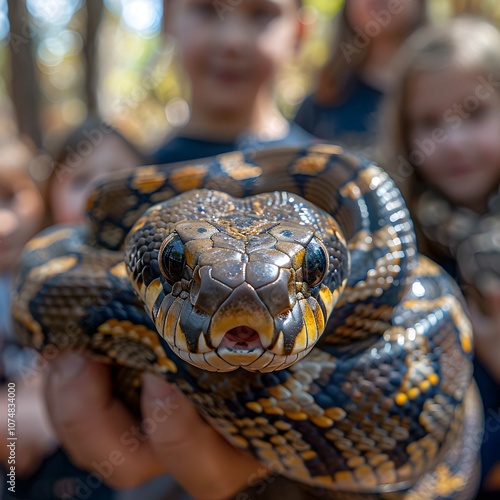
(60, 59)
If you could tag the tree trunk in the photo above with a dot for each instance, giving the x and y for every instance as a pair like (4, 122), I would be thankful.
(24, 88)
(94, 16)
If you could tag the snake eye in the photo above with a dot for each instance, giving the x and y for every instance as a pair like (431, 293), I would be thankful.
(315, 263)
(172, 260)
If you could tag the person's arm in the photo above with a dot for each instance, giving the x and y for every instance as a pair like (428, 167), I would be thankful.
(102, 436)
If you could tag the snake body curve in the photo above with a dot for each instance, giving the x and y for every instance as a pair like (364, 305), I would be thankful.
(293, 310)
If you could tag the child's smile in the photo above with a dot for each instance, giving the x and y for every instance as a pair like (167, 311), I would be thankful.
(232, 58)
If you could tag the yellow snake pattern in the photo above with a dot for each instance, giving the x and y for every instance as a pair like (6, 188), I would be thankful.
(281, 291)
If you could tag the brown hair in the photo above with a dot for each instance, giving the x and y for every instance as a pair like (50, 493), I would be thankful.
(466, 41)
(334, 77)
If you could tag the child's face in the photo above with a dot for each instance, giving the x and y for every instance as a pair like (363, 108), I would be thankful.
(383, 17)
(74, 180)
(21, 214)
(454, 134)
(231, 49)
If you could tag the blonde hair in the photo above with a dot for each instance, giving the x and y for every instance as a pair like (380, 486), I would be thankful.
(466, 42)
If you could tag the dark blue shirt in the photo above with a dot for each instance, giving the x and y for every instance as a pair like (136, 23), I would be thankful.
(350, 122)
(182, 148)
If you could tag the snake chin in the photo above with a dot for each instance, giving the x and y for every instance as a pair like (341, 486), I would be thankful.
(258, 359)
(240, 348)
(232, 356)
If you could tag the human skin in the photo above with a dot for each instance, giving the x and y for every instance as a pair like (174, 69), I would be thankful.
(231, 59)
(459, 133)
(73, 181)
(180, 443)
(455, 118)
(36, 435)
(21, 213)
(400, 17)
(231, 63)
(391, 21)
(21, 216)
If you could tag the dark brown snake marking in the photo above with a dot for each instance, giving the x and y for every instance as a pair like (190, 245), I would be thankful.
(307, 329)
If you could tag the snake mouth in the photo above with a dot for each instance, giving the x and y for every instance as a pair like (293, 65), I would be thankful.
(242, 338)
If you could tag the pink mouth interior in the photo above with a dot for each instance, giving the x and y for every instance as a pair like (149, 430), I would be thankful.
(241, 338)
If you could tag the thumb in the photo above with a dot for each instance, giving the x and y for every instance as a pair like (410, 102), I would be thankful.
(91, 424)
(199, 458)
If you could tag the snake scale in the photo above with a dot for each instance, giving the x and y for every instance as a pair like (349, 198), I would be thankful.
(292, 309)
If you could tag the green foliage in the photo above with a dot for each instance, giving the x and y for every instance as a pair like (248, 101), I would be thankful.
(326, 8)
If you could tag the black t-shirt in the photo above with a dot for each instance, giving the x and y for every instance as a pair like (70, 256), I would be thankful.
(182, 148)
(351, 122)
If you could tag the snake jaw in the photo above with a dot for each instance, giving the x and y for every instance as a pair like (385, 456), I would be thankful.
(242, 308)
(242, 338)
(241, 346)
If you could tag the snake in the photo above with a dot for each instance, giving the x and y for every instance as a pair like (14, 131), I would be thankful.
(282, 292)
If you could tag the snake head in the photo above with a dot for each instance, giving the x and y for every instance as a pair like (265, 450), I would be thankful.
(239, 283)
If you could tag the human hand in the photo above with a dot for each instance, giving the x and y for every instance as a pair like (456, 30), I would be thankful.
(102, 436)
(36, 437)
(486, 328)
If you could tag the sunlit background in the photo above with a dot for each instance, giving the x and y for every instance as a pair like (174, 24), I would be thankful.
(139, 88)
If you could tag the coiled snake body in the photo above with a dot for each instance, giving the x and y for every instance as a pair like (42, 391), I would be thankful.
(301, 323)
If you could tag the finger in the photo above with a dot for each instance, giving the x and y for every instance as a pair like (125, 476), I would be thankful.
(199, 458)
(494, 303)
(98, 432)
(481, 323)
(490, 289)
